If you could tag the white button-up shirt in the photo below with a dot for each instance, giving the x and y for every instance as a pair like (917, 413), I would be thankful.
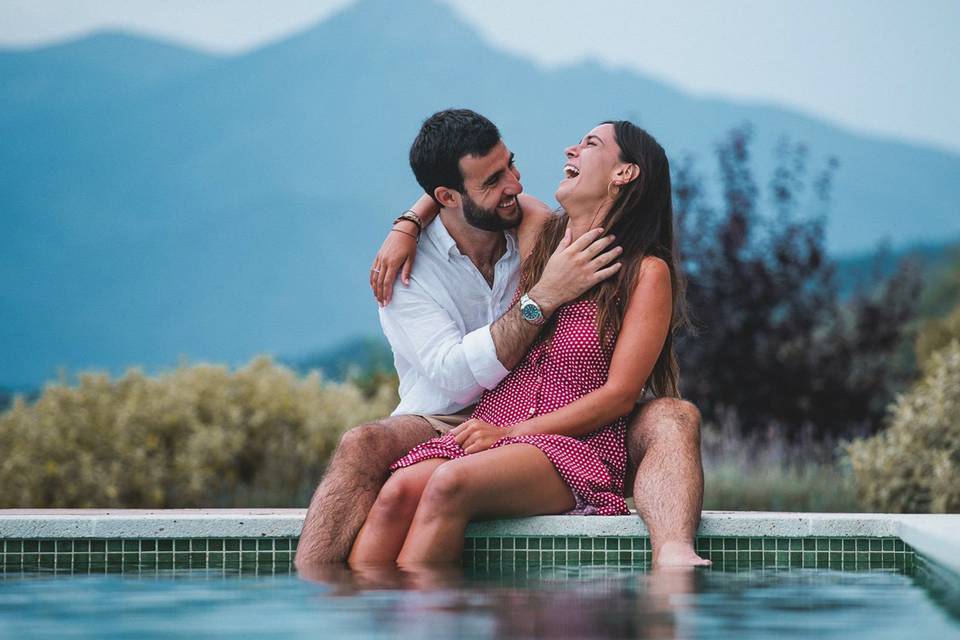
(439, 325)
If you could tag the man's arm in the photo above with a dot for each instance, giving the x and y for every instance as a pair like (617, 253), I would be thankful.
(423, 333)
(573, 269)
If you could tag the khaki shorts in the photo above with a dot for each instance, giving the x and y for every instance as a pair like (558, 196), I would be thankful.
(442, 424)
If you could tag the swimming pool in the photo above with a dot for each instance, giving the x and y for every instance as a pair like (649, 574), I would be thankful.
(538, 577)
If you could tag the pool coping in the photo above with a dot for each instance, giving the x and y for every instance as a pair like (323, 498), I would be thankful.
(933, 535)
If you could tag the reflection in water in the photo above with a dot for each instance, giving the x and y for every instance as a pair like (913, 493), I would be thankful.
(502, 602)
(557, 602)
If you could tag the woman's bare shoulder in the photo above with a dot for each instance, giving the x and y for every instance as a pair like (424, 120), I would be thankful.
(654, 274)
(654, 265)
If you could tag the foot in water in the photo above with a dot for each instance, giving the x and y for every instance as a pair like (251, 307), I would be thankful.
(678, 554)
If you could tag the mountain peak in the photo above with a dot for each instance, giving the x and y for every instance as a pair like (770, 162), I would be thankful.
(428, 13)
(383, 24)
(106, 43)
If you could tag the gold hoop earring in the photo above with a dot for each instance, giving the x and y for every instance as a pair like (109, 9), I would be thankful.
(616, 192)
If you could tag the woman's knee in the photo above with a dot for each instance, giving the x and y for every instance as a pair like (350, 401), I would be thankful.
(398, 498)
(448, 490)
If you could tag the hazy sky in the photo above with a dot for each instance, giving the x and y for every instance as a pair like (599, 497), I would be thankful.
(875, 66)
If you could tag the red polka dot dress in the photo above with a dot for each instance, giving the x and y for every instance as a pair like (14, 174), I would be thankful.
(557, 370)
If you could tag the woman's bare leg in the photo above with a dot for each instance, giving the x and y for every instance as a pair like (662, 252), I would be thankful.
(510, 481)
(385, 528)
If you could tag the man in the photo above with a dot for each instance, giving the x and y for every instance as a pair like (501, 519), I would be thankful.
(455, 332)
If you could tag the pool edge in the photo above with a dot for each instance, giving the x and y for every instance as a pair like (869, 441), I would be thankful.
(933, 535)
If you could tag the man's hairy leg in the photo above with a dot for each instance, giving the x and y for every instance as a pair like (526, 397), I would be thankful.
(357, 470)
(664, 436)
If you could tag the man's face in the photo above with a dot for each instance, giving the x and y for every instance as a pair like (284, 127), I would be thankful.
(491, 185)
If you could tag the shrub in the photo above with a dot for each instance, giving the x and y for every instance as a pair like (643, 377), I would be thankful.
(914, 465)
(199, 436)
(776, 343)
(941, 285)
(936, 334)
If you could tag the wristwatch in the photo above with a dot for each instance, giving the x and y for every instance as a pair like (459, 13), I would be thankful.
(530, 310)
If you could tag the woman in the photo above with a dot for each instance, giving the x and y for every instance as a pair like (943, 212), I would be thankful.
(549, 438)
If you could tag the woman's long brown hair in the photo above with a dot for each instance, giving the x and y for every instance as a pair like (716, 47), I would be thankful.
(641, 218)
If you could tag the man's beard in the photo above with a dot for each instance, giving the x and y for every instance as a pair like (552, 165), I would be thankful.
(488, 219)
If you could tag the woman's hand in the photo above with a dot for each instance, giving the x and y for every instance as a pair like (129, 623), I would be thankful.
(396, 255)
(476, 435)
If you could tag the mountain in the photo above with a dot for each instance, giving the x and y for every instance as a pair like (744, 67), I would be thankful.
(94, 72)
(158, 202)
(863, 270)
(353, 357)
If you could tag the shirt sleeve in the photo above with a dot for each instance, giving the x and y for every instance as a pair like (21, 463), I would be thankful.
(424, 334)
(481, 355)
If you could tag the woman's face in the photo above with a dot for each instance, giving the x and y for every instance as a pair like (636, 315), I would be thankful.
(591, 165)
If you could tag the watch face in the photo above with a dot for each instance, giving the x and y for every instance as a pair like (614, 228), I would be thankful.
(530, 312)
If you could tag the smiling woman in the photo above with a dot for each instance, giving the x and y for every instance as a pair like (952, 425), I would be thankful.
(593, 156)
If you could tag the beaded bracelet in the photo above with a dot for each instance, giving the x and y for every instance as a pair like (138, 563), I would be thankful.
(412, 216)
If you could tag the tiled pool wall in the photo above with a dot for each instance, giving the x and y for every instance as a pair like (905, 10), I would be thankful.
(840, 553)
(263, 541)
(275, 554)
(149, 554)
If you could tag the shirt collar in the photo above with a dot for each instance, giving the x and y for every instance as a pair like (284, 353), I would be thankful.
(437, 234)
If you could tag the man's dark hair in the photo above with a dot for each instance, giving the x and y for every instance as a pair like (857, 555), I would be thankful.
(444, 138)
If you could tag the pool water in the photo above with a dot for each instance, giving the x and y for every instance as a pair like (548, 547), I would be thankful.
(549, 602)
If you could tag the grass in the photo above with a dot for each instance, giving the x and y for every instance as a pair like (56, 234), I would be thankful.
(768, 472)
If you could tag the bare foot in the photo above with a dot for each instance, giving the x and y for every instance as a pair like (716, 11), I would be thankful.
(678, 554)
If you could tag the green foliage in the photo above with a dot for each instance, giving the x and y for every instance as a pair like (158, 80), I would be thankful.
(776, 343)
(200, 436)
(810, 487)
(769, 471)
(942, 289)
(936, 334)
(914, 465)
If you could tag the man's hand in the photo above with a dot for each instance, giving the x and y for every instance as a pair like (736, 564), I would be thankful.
(396, 255)
(476, 435)
(574, 268)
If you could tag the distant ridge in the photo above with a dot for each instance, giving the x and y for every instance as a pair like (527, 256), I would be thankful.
(95, 69)
(156, 201)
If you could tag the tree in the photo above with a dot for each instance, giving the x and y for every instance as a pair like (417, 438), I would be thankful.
(774, 342)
